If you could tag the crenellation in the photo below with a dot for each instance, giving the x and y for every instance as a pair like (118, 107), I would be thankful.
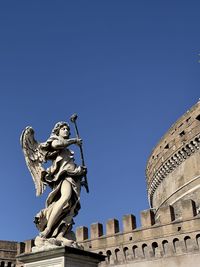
(8, 251)
(170, 229)
(28, 245)
(166, 215)
(188, 209)
(129, 223)
(112, 227)
(21, 247)
(147, 218)
(96, 230)
(153, 240)
(81, 233)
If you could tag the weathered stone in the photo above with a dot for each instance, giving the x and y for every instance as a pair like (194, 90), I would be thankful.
(81, 233)
(96, 230)
(61, 257)
(166, 214)
(147, 218)
(112, 227)
(129, 222)
(188, 209)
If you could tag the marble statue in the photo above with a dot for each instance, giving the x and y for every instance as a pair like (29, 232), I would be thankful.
(63, 176)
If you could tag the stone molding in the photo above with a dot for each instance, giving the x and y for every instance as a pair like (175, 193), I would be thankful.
(177, 158)
(155, 239)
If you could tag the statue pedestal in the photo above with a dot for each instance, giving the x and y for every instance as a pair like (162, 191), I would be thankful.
(60, 257)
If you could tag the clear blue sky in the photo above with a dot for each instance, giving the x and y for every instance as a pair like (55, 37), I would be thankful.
(128, 68)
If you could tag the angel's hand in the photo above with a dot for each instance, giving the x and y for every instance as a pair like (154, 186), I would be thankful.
(84, 170)
(79, 141)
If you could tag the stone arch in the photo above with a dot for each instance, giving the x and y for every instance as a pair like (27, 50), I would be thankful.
(165, 244)
(155, 249)
(189, 245)
(117, 251)
(145, 250)
(198, 240)
(126, 252)
(176, 245)
(135, 251)
(2, 264)
(109, 255)
(187, 239)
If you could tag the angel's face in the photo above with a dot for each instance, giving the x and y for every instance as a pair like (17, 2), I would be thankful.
(64, 132)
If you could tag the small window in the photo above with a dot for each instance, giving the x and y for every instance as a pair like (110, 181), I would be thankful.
(198, 117)
(180, 125)
(182, 134)
(167, 146)
(188, 119)
(154, 247)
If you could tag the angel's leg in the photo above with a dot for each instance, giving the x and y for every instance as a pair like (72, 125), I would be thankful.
(66, 191)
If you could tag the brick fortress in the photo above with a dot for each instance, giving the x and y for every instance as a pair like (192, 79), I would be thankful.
(169, 234)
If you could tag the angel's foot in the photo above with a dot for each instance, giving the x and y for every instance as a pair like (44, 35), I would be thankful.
(45, 233)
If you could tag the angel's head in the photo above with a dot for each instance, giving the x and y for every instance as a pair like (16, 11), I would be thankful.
(61, 129)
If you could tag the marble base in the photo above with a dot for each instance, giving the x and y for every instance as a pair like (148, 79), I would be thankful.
(61, 257)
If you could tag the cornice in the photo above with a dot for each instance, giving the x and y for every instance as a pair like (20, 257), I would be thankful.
(169, 165)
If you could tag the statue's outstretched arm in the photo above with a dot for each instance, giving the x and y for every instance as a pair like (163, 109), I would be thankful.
(62, 143)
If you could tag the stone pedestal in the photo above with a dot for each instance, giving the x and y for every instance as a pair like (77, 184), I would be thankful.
(60, 257)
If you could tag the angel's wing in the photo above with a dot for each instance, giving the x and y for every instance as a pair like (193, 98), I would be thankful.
(34, 158)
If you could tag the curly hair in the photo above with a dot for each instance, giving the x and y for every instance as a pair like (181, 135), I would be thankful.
(58, 126)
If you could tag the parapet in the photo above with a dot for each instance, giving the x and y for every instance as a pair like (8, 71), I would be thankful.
(8, 251)
(166, 237)
(173, 162)
(155, 239)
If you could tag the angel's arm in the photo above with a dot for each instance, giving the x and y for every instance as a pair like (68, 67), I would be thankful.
(62, 143)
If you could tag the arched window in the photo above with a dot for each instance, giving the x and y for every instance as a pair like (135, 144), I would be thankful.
(155, 248)
(145, 250)
(198, 240)
(125, 252)
(135, 251)
(176, 244)
(117, 254)
(188, 243)
(108, 253)
(165, 246)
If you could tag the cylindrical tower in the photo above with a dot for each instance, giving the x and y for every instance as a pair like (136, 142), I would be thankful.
(173, 168)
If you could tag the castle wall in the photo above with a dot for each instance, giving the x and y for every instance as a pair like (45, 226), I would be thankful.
(168, 241)
(169, 234)
(176, 261)
(173, 167)
(8, 251)
(182, 183)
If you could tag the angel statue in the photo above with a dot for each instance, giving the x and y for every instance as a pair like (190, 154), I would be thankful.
(64, 177)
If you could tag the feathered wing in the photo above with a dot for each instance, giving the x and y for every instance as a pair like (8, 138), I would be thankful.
(34, 158)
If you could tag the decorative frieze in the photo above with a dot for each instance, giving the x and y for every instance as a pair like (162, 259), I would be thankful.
(172, 163)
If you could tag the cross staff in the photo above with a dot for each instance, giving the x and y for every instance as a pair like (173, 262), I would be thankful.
(73, 120)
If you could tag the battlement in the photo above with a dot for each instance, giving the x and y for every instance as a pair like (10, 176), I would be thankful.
(178, 144)
(8, 251)
(156, 238)
(163, 237)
